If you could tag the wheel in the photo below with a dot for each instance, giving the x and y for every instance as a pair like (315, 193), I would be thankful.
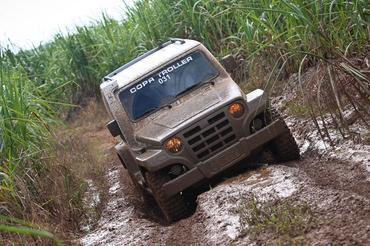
(174, 207)
(145, 196)
(284, 147)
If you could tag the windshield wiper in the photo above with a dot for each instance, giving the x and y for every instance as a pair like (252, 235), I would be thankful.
(192, 87)
(186, 90)
(150, 110)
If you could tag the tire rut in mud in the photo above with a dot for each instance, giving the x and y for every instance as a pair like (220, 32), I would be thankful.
(340, 195)
(179, 233)
(338, 175)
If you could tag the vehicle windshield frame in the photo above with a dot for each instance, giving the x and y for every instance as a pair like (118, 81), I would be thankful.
(200, 84)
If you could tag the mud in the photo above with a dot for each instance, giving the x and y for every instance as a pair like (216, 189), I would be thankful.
(342, 210)
(337, 191)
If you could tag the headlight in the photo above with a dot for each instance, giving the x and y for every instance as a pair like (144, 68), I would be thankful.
(236, 110)
(173, 145)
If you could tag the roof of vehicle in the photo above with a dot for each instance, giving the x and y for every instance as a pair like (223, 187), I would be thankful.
(151, 60)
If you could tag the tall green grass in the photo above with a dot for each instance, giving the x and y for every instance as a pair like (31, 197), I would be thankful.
(282, 36)
(20, 227)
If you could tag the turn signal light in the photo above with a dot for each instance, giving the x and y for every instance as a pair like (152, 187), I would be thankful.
(236, 110)
(173, 145)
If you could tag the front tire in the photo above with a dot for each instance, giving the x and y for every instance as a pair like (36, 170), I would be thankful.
(284, 147)
(174, 207)
(144, 194)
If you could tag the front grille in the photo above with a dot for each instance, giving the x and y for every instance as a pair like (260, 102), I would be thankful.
(210, 136)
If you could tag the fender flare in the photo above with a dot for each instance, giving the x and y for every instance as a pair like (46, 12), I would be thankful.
(126, 157)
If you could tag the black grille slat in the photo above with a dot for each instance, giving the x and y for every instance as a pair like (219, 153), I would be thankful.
(226, 131)
(192, 131)
(212, 139)
(210, 136)
(209, 132)
(194, 140)
(229, 139)
(199, 147)
(216, 146)
(216, 118)
(222, 124)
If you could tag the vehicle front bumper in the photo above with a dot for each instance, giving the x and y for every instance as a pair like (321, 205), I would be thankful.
(226, 158)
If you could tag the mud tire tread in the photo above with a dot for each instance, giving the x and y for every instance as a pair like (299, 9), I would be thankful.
(173, 208)
(145, 196)
(284, 147)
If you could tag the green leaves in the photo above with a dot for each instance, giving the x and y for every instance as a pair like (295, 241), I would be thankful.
(17, 226)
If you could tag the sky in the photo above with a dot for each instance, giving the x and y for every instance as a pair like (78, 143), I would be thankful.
(30, 22)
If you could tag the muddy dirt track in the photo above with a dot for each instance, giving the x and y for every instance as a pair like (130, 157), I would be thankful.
(336, 192)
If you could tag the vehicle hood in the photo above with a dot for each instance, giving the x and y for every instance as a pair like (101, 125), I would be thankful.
(189, 108)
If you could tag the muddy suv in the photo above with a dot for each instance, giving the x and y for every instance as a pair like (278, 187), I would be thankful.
(181, 119)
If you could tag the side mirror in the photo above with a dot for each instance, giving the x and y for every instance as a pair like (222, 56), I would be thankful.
(114, 128)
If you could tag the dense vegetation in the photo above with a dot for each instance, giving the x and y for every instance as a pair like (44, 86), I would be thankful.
(37, 85)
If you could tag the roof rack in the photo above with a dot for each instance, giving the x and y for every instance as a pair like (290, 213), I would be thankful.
(161, 46)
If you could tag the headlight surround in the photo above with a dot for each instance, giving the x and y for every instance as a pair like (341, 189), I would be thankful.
(174, 145)
(236, 110)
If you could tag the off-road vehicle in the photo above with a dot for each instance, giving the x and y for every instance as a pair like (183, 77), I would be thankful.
(181, 120)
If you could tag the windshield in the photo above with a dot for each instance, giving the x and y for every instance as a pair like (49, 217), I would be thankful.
(163, 87)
